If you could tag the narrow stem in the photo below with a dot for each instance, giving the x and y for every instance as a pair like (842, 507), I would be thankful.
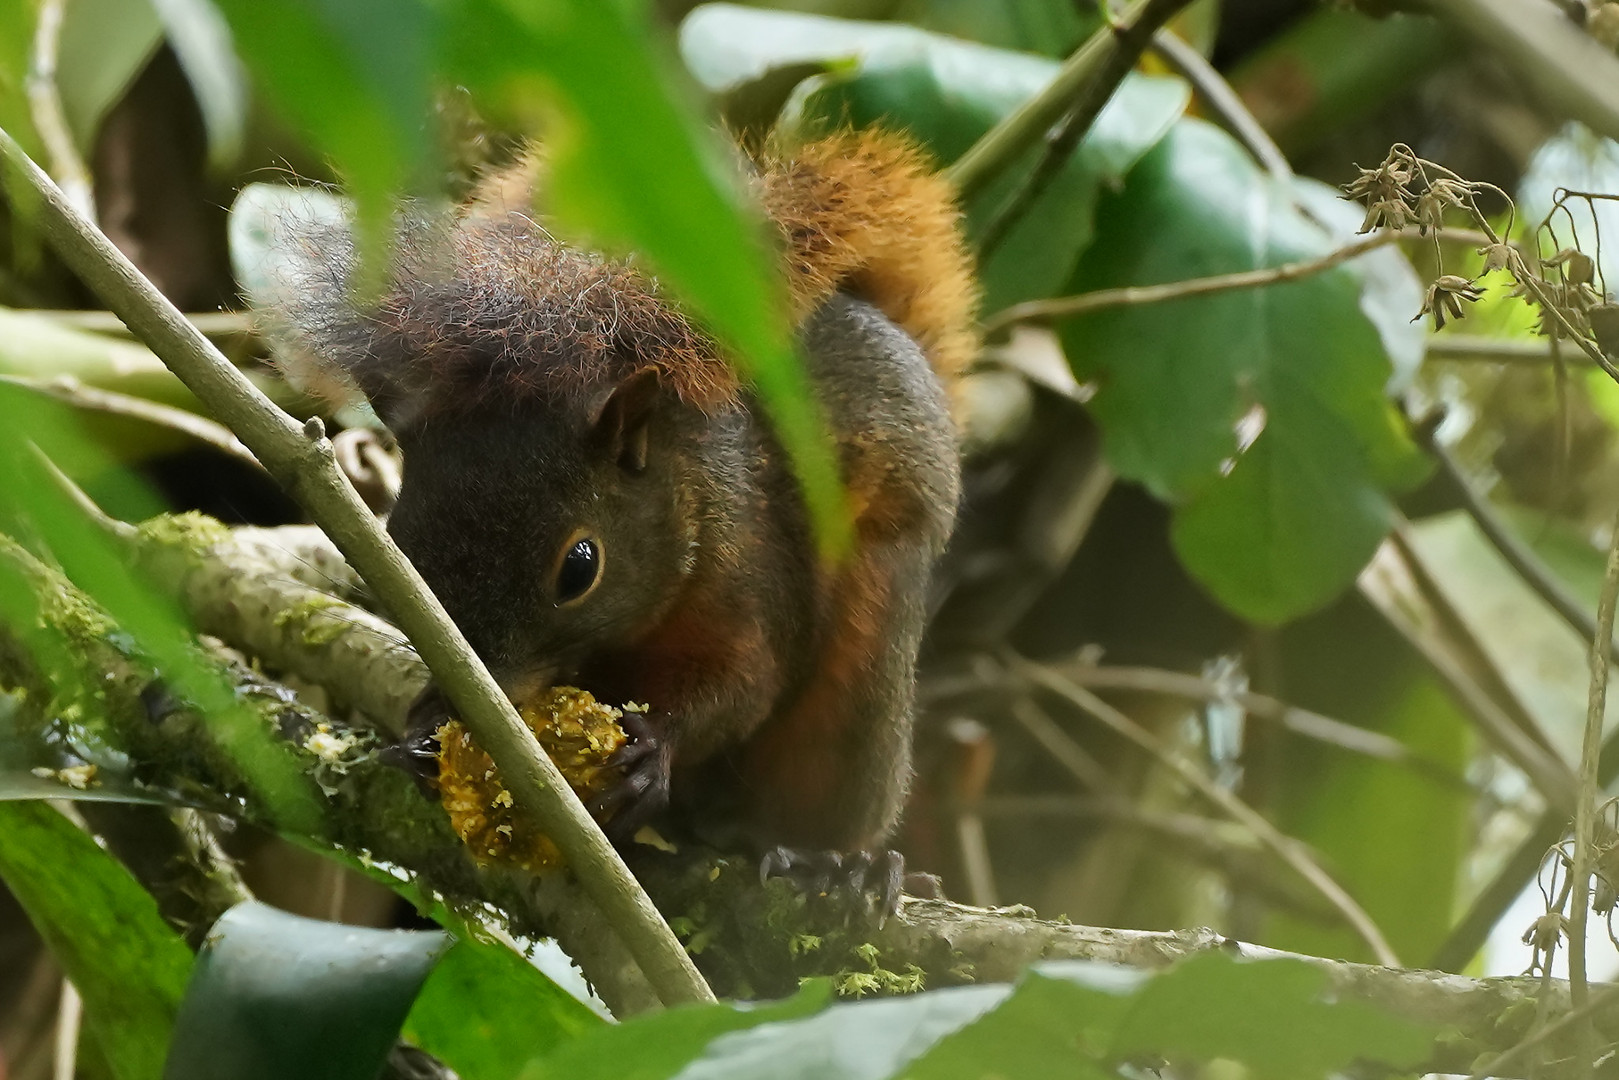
(1062, 307)
(1020, 128)
(301, 459)
(1590, 789)
(1286, 848)
(1222, 101)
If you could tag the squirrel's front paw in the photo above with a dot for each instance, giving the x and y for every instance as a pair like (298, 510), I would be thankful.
(417, 749)
(858, 882)
(643, 793)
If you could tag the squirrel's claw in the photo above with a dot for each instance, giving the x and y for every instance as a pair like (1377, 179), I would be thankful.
(643, 793)
(861, 882)
(416, 752)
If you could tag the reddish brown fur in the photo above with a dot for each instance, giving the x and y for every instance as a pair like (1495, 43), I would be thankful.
(862, 211)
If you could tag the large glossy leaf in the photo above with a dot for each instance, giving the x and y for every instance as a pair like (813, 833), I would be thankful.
(1068, 1018)
(275, 995)
(946, 92)
(486, 1011)
(1260, 413)
(129, 967)
(103, 46)
(1275, 1016)
(655, 1046)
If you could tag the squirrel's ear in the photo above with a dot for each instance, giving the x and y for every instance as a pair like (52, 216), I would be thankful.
(621, 421)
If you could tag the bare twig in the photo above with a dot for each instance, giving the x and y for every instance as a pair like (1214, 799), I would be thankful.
(1448, 346)
(1410, 601)
(1065, 306)
(1590, 788)
(1222, 101)
(1506, 1062)
(1129, 39)
(300, 457)
(91, 399)
(215, 324)
(1518, 555)
(1287, 849)
(69, 1011)
(45, 110)
(1085, 72)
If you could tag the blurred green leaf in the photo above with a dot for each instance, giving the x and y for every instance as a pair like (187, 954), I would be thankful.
(485, 1012)
(947, 93)
(1406, 875)
(201, 42)
(1064, 1018)
(1260, 413)
(629, 168)
(104, 45)
(32, 504)
(1061, 1016)
(1277, 1017)
(129, 967)
(275, 995)
(654, 1046)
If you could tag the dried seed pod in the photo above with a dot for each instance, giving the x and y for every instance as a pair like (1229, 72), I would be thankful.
(579, 733)
(1604, 320)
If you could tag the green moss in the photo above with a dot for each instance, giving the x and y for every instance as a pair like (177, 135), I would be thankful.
(868, 976)
(309, 620)
(191, 532)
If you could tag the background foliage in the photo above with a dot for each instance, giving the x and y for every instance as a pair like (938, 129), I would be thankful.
(1232, 512)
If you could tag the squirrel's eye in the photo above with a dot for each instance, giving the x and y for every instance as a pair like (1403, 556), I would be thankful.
(581, 566)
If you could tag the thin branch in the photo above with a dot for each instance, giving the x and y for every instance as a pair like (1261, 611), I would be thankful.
(215, 324)
(1448, 346)
(1084, 73)
(1287, 849)
(1570, 73)
(1305, 722)
(1130, 38)
(45, 110)
(1518, 555)
(300, 457)
(1590, 788)
(75, 393)
(1222, 101)
(1062, 307)
(1402, 591)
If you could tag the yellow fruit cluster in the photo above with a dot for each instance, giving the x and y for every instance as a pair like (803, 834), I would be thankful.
(581, 735)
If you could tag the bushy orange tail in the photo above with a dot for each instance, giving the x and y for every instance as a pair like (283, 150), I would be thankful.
(864, 211)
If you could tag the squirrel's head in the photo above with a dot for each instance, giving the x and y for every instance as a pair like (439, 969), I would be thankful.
(548, 527)
(531, 387)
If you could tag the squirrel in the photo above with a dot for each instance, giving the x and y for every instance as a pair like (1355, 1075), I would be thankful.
(598, 500)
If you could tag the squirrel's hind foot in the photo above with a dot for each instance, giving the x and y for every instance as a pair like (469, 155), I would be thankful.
(862, 884)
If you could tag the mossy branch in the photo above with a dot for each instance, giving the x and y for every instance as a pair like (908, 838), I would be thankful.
(752, 939)
(300, 457)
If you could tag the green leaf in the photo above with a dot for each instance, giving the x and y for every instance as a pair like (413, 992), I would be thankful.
(654, 1046)
(104, 45)
(946, 92)
(1275, 1016)
(355, 76)
(275, 995)
(31, 503)
(129, 967)
(1260, 413)
(485, 1012)
(201, 42)
(1061, 1017)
